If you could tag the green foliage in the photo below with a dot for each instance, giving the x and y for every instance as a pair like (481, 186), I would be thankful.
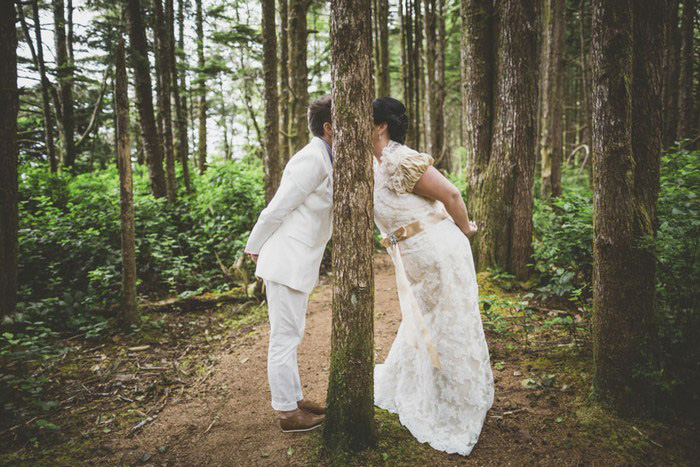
(69, 239)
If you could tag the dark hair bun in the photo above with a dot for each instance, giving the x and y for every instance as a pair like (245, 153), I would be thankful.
(392, 112)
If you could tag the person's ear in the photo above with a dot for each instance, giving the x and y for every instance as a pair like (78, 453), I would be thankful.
(328, 129)
(383, 128)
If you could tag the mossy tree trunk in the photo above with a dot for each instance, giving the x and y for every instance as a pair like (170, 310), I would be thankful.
(201, 92)
(349, 421)
(499, 66)
(298, 75)
(627, 126)
(9, 103)
(138, 51)
(671, 64)
(271, 158)
(552, 97)
(129, 313)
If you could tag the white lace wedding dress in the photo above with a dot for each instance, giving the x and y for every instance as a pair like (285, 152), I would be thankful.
(444, 407)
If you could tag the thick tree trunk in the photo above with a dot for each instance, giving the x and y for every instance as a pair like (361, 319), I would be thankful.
(201, 93)
(671, 74)
(138, 51)
(299, 93)
(284, 82)
(181, 100)
(9, 103)
(64, 74)
(163, 49)
(552, 98)
(685, 88)
(272, 157)
(349, 420)
(500, 99)
(627, 62)
(129, 313)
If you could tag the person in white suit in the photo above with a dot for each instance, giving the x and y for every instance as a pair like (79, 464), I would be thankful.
(287, 243)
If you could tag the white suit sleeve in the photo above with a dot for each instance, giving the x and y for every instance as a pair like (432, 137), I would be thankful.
(303, 174)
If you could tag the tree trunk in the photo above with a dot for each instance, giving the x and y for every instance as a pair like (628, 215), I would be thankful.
(685, 88)
(383, 84)
(299, 93)
(552, 98)
(500, 99)
(201, 93)
(45, 99)
(138, 51)
(419, 85)
(627, 62)
(272, 157)
(129, 313)
(64, 74)
(442, 151)
(435, 71)
(349, 420)
(181, 146)
(284, 83)
(9, 103)
(163, 49)
(671, 75)
(183, 135)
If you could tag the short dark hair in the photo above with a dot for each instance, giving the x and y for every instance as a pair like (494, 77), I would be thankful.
(319, 113)
(392, 112)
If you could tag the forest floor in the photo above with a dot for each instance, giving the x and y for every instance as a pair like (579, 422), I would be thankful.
(190, 388)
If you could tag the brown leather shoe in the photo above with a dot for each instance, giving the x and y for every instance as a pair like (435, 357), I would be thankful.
(311, 407)
(301, 421)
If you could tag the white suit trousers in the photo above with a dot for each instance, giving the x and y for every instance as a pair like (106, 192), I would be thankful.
(286, 309)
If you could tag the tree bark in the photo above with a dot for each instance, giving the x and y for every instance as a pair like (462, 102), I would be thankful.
(381, 21)
(671, 75)
(9, 103)
(298, 75)
(163, 49)
(201, 93)
(129, 314)
(181, 100)
(685, 88)
(435, 61)
(64, 74)
(138, 51)
(552, 98)
(284, 82)
(349, 420)
(627, 100)
(272, 157)
(500, 99)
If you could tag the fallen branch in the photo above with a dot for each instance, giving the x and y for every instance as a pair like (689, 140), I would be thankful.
(141, 424)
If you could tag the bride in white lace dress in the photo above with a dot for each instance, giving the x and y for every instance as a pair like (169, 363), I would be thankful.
(437, 376)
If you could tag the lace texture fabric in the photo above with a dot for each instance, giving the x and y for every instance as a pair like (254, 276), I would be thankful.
(444, 407)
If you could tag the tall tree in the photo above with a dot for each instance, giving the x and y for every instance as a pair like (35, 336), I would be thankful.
(349, 420)
(284, 82)
(201, 93)
(164, 76)
(138, 52)
(9, 103)
(298, 75)
(181, 100)
(671, 67)
(64, 73)
(685, 89)
(434, 23)
(272, 157)
(552, 97)
(500, 98)
(627, 70)
(126, 191)
(381, 48)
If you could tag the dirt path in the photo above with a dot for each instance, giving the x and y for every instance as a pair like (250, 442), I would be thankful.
(228, 420)
(233, 423)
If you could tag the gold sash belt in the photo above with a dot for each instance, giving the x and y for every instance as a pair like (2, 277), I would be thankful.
(410, 311)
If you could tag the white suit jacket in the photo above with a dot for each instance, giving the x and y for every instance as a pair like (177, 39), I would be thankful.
(292, 231)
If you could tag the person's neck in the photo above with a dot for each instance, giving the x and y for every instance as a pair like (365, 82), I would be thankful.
(327, 139)
(382, 145)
